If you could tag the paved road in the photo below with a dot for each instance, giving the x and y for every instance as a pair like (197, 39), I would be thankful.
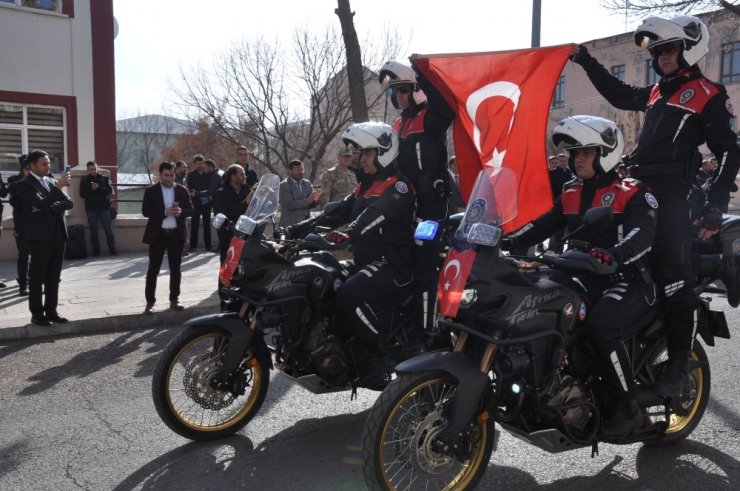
(76, 413)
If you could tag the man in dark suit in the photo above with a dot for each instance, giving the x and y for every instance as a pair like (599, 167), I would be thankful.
(44, 204)
(166, 205)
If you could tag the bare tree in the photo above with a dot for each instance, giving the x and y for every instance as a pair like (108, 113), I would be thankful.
(641, 8)
(354, 61)
(283, 104)
(140, 139)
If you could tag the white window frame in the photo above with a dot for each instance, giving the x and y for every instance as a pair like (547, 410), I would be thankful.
(24, 126)
(19, 3)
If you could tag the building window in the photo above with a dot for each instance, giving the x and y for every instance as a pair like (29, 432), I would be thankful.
(26, 127)
(618, 71)
(731, 62)
(558, 99)
(652, 77)
(50, 5)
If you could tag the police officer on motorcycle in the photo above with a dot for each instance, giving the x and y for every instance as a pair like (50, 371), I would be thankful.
(624, 298)
(380, 213)
(422, 129)
(682, 111)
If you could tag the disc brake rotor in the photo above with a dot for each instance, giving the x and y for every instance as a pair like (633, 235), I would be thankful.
(197, 382)
(421, 435)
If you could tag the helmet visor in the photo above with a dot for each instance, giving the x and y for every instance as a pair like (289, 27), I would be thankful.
(668, 47)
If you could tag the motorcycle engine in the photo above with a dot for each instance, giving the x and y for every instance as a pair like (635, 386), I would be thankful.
(565, 398)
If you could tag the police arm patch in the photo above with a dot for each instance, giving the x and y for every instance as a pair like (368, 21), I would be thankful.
(651, 201)
(401, 187)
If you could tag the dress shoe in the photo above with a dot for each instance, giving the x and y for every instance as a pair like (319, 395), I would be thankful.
(177, 306)
(41, 321)
(2, 285)
(114, 252)
(149, 307)
(55, 317)
(23, 291)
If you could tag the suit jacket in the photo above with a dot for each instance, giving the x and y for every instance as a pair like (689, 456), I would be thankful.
(294, 202)
(152, 207)
(39, 225)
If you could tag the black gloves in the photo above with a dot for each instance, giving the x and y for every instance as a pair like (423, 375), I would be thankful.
(581, 55)
(711, 218)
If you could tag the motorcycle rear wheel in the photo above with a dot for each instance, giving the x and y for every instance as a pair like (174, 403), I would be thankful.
(182, 392)
(693, 401)
(397, 438)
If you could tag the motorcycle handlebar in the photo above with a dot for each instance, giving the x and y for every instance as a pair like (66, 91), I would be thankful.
(574, 261)
(317, 242)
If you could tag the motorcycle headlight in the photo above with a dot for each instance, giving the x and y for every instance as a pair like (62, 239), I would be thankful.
(469, 297)
(483, 234)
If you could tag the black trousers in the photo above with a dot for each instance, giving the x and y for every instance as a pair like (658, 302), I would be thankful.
(364, 303)
(45, 273)
(172, 243)
(204, 212)
(616, 305)
(670, 260)
(428, 258)
(23, 257)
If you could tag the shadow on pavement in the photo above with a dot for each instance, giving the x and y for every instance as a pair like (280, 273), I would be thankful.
(687, 465)
(89, 362)
(314, 454)
(11, 457)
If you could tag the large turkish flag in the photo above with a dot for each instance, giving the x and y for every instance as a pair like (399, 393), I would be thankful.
(502, 100)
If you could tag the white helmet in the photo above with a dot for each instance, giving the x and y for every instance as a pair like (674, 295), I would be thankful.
(374, 135)
(394, 74)
(687, 30)
(591, 131)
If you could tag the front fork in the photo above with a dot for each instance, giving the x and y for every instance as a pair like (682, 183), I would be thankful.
(467, 401)
(241, 339)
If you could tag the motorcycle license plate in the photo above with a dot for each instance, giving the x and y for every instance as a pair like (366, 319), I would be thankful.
(233, 255)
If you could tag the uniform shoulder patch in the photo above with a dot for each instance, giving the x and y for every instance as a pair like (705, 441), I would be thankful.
(686, 96)
(607, 199)
(401, 187)
(729, 107)
(651, 201)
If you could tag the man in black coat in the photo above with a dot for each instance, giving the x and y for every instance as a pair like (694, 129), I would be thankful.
(199, 186)
(44, 204)
(166, 205)
(96, 190)
(18, 224)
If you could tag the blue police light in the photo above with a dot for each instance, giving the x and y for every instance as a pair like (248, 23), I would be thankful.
(426, 230)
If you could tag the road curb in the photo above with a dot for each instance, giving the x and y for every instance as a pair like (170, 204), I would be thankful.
(117, 323)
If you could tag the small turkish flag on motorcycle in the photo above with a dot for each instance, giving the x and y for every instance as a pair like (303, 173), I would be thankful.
(233, 256)
(452, 280)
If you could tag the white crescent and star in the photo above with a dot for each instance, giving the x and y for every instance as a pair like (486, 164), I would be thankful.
(456, 264)
(495, 89)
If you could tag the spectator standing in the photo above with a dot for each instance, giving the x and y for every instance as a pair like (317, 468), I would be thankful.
(232, 201)
(297, 195)
(165, 204)
(242, 158)
(199, 183)
(96, 190)
(181, 172)
(44, 204)
(338, 181)
(19, 225)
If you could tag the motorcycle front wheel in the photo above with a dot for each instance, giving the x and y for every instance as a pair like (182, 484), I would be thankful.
(183, 393)
(686, 413)
(397, 440)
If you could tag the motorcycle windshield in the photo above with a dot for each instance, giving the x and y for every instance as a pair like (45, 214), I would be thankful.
(493, 200)
(265, 200)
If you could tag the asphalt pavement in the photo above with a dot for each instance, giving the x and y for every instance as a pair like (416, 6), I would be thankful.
(106, 293)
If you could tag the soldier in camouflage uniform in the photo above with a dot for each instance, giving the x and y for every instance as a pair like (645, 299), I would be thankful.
(338, 181)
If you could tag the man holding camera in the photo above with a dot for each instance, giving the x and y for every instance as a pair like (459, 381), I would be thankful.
(96, 190)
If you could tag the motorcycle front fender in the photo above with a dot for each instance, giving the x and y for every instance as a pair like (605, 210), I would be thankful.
(455, 363)
(242, 336)
(471, 384)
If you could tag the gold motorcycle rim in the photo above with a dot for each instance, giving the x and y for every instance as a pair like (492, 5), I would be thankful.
(404, 408)
(677, 423)
(190, 412)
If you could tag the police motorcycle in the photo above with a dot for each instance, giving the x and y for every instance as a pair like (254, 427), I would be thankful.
(519, 360)
(212, 378)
